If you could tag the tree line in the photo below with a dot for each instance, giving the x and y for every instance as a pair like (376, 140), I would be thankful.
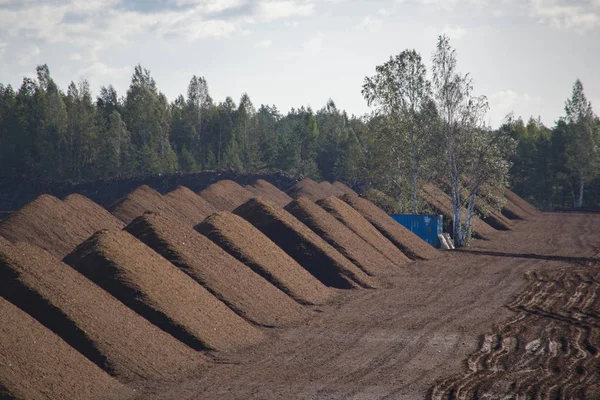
(425, 126)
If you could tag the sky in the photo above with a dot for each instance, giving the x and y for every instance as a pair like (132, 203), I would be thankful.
(524, 55)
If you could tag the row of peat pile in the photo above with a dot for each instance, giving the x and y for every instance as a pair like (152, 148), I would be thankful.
(100, 302)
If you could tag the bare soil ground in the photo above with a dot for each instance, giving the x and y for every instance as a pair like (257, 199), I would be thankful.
(401, 342)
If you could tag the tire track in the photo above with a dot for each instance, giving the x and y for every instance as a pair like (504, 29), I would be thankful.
(548, 350)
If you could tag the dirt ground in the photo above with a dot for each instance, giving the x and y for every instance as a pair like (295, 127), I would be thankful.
(395, 343)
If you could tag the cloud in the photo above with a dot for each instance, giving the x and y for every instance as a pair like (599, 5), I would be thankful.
(454, 32)
(581, 16)
(3, 47)
(445, 4)
(29, 56)
(263, 44)
(98, 73)
(506, 101)
(102, 23)
(314, 45)
(269, 10)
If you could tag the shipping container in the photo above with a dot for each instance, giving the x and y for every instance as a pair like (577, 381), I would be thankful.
(425, 226)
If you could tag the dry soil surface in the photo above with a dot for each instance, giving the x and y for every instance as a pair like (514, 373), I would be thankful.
(397, 343)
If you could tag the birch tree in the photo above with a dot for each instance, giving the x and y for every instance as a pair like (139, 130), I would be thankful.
(474, 154)
(452, 92)
(400, 90)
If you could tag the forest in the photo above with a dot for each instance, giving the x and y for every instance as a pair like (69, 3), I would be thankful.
(425, 126)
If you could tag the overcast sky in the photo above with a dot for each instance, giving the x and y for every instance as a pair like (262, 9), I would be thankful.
(523, 54)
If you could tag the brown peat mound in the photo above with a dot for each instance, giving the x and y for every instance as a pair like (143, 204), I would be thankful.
(264, 189)
(515, 198)
(344, 188)
(249, 245)
(245, 292)
(56, 226)
(4, 241)
(307, 188)
(340, 237)
(225, 195)
(512, 211)
(37, 364)
(92, 321)
(303, 245)
(160, 292)
(331, 190)
(387, 203)
(188, 203)
(91, 215)
(363, 228)
(143, 199)
(409, 243)
(443, 203)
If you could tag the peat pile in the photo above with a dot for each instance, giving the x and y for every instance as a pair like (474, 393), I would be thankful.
(264, 189)
(382, 200)
(245, 292)
(90, 215)
(515, 198)
(548, 350)
(344, 188)
(512, 211)
(443, 203)
(249, 245)
(340, 237)
(54, 225)
(37, 364)
(225, 195)
(307, 188)
(160, 292)
(303, 245)
(409, 243)
(93, 322)
(143, 199)
(363, 228)
(330, 189)
(188, 203)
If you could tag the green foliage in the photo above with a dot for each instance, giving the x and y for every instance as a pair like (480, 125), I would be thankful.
(407, 140)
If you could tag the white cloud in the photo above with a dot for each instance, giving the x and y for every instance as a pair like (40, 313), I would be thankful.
(454, 32)
(506, 101)
(269, 10)
(577, 16)
(446, 4)
(99, 73)
(314, 45)
(3, 47)
(99, 24)
(30, 56)
(264, 44)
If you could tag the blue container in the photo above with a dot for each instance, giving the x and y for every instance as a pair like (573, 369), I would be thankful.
(425, 226)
